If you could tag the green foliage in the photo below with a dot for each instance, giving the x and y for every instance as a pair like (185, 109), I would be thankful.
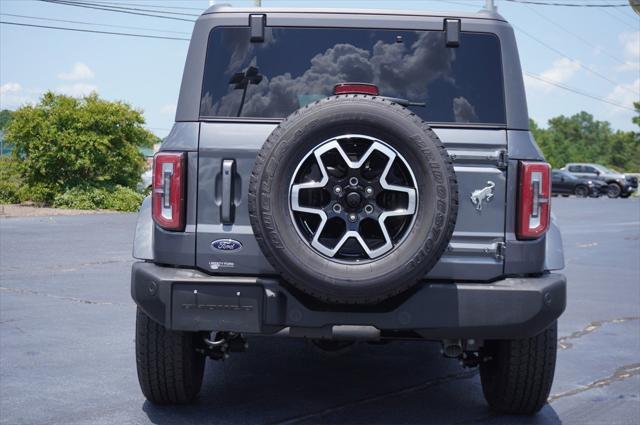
(90, 198)
(581, 138)
(64, 142)
(10, 182)
(38, 193)
(5, 118)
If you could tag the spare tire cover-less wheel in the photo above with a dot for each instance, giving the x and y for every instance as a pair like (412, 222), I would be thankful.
(353, 199)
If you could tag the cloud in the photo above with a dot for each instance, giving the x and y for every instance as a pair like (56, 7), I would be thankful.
(630, 42)
(397, 69)
(168, 109)
(463, 110)
(76, 89)
(13, 95)
(561, 71)
(625, 94)
(10, 88)
(80, 71)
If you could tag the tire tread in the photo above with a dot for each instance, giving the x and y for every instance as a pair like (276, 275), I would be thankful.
(169, 369)
(517, 379)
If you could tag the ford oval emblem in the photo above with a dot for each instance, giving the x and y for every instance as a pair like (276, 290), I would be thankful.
(226, 244)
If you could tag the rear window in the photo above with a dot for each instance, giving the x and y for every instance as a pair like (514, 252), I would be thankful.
(296, 66)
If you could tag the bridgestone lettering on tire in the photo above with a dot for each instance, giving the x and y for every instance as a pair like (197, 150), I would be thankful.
(353, 199)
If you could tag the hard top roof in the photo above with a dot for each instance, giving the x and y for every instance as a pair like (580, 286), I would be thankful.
(481, 14)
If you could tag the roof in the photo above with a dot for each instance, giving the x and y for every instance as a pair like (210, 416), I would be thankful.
(481, 14)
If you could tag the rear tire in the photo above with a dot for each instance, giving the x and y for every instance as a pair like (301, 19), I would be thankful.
(625, 195)
(614, 190)
(517, 379)
(170, 370)
(581, 191)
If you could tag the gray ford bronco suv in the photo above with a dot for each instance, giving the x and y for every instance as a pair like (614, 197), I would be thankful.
(350, 175)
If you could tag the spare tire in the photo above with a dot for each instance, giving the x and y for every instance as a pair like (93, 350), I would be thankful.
(353, 199)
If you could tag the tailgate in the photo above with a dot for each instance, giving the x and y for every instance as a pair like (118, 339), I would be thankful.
(226, 156)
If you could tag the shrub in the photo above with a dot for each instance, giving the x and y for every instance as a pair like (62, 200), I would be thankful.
(10, 181)
(118, 198)
(124, 199)
(64, 142)
(37, 193)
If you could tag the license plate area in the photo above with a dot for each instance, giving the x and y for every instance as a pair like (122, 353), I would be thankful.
(217, 307)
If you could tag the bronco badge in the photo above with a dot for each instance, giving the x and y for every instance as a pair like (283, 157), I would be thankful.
(482, 195)
(226, 244)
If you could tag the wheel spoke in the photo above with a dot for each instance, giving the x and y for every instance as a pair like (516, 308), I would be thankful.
(374, 146)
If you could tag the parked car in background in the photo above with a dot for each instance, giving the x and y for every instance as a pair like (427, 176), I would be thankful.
(565, 184)
(618, 184)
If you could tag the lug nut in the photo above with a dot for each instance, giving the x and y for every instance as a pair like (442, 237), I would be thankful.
(337, 189)
(353, 217)
(353, 181)
(368, 209)
(337, 208)
(369, 190)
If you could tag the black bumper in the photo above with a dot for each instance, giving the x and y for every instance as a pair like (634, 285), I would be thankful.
(185, 299)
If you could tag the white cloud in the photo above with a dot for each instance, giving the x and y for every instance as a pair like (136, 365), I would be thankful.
(630, 42)
(561, 71)
(13, 96)
(168, 109)
(80, 71)
(10, 88)
(77, 89)
(626, 94)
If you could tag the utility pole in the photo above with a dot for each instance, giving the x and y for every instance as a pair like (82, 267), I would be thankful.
(490, 5)
(257, 3)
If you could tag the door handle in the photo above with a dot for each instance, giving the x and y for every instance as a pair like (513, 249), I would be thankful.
(227, 207)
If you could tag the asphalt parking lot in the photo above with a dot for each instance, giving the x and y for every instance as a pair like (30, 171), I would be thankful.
(67, 351)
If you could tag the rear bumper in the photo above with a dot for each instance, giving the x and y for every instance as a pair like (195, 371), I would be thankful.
(185, 299)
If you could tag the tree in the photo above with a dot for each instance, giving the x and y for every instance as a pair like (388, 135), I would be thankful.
(65, 142)
(5, 118)
(581, 138)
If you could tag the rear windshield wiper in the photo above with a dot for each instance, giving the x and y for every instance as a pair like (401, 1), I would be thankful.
(404, 102)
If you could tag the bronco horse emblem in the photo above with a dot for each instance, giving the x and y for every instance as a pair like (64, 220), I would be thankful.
(482, 195)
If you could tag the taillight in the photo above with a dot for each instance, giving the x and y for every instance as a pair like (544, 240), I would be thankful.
(169, 190)
(534, 207)
(356, 88)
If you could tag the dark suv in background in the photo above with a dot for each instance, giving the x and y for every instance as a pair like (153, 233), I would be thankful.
(565, 184)
(619, 185)
(343, 175)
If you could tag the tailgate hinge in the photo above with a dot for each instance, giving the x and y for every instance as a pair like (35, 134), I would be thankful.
(503, 159)
(500, 250)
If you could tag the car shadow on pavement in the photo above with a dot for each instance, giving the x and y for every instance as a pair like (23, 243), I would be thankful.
(281, 381)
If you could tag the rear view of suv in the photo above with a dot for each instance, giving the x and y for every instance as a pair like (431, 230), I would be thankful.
(350, 175)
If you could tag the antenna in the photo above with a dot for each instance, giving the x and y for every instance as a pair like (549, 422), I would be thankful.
(490, 5)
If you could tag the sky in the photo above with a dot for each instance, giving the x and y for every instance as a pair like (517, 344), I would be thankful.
(592, 50)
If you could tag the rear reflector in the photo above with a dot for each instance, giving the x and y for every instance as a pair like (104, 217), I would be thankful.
(169, 190)
(356, 88)
(534, 207)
